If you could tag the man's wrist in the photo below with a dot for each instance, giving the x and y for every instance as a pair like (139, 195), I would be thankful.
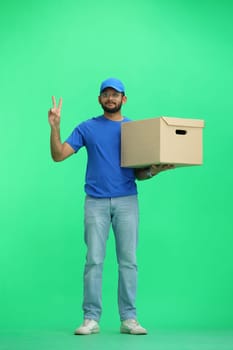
(152, 171)
(55, 127)
(149, 174)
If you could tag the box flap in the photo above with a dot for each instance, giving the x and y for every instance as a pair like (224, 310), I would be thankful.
(196, 123)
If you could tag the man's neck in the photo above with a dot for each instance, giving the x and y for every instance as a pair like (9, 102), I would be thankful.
(113, 116)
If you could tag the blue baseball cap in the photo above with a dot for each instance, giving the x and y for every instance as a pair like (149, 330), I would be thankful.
(112, 83)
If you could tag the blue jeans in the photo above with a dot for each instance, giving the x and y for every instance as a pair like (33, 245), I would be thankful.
(100, 214)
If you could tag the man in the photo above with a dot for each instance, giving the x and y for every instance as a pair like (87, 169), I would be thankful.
(111, 199)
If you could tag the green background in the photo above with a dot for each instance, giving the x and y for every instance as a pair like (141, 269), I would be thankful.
(175, 58)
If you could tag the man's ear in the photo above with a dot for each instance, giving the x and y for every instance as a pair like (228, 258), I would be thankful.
(124, 99)
(99, 99)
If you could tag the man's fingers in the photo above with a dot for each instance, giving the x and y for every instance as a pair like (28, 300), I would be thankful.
(55, 104)
(60, 104)
(156, 166)
(167, 166)
(54, 101)
(161, 167)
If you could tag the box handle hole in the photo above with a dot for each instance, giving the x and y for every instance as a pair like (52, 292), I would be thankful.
(181, 132)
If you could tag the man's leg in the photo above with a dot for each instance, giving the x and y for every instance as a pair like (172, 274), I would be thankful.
(125, 225)
(97, 225)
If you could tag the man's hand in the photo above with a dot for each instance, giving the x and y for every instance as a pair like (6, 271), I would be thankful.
(54, 113)
(149, 172)
(157, 168)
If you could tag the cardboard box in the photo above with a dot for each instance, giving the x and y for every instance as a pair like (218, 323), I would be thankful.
(162, 140)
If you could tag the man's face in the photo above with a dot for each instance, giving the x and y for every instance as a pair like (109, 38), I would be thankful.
(111, 100)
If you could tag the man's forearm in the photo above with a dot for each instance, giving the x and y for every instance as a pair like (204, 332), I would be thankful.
(55, 144)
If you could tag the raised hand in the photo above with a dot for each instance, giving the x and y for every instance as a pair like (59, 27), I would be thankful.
(54, 114)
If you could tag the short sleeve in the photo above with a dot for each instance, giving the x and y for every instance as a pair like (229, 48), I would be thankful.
(76, 139)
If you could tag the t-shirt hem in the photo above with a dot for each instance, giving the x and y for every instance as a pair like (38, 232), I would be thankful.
(112, 195)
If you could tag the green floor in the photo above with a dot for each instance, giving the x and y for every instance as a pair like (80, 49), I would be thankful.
(112, 340)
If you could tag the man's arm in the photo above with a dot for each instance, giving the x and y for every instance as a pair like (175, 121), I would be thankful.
(59, 151)
(153, 170)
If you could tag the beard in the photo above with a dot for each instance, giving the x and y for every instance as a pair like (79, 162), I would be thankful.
(112, 110)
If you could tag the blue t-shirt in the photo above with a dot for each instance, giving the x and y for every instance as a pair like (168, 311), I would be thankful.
(105, 178)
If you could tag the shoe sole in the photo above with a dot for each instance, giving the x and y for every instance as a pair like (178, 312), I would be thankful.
(95, 331)
(128, 331)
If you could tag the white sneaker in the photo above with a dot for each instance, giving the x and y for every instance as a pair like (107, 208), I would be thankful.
(88, 327)
(132, 327)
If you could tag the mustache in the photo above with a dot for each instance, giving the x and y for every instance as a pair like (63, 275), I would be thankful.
(114, 109)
